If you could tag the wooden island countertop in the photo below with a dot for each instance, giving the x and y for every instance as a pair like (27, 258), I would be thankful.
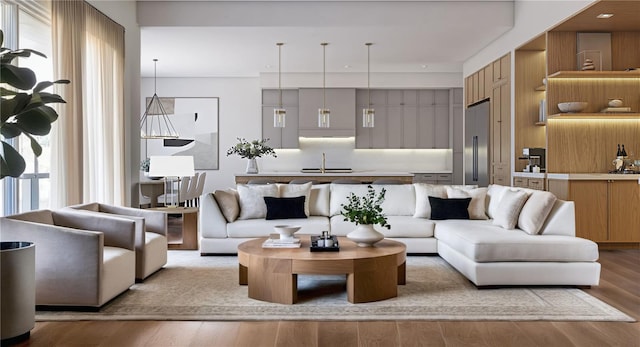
(328, 177)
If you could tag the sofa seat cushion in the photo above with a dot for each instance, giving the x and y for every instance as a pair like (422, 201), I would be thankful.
(261, 227)
(401, 226)
(481, 241)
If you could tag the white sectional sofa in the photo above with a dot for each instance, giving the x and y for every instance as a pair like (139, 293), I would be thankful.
(515, 236)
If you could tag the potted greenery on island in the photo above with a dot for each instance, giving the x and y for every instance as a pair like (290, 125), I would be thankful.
(365, 212)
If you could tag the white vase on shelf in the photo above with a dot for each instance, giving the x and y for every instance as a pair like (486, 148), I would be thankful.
(252, 166)
(365, 235)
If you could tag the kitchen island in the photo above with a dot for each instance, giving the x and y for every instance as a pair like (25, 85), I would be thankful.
(327, 177)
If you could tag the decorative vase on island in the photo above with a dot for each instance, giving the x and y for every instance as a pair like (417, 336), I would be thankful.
(365, 235)
(252, 166)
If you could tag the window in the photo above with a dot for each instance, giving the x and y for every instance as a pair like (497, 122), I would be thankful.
(26, 24)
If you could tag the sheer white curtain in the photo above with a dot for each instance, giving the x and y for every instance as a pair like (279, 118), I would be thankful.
(88, 139)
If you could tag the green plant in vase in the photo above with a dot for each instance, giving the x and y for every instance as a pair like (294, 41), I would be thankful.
(365, 211)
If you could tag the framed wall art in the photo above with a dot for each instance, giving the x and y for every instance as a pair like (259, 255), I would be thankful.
(196, 120)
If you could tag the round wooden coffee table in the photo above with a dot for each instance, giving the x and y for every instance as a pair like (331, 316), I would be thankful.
(373, 273)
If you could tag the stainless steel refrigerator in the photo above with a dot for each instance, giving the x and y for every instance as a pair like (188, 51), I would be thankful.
(476, 144)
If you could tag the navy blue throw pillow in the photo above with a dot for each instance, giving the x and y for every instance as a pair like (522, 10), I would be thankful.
(449, 208)
(285, 208)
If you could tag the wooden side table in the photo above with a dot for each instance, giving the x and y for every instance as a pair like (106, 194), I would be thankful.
(182, 231)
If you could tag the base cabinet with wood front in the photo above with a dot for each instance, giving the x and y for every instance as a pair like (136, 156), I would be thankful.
(531, 183)
(607, 210)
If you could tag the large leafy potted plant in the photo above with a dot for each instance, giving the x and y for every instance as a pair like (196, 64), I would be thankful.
(365, 211)
(251, 150)
(23, 109)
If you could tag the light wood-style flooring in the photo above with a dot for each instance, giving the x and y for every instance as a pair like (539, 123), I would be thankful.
(619, 287)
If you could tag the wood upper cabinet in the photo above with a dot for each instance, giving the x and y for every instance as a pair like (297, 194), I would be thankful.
(341, 102)
(286, 137)
(501, 68)
(479, 85)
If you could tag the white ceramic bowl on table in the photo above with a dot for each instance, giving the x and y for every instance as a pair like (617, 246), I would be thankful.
(574, 106)
(286, 231)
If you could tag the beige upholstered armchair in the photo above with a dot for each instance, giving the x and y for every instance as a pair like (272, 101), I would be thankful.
(81, 260)
(151, 234)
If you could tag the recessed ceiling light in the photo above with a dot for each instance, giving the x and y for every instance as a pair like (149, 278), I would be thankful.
(604, 15)
(347, 66)
(268, 66)
(424, 66)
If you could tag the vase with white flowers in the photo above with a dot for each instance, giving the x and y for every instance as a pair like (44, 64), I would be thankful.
(251, 150)
(365, 211)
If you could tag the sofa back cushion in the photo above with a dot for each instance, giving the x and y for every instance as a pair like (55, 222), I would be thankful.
(399, 199)
(423, 192)
(319, 200)
(340, 195)
(251, 198)
(295, 190)
(477, 207)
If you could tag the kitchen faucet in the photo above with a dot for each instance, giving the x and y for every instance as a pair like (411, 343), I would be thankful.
(322, 167)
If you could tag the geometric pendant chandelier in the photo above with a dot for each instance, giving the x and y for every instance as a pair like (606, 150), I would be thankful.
(155, 124)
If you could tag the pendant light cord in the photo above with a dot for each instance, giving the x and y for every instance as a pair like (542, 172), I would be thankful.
(368, 74)
(155, 68)
(279, 68)
(324, 73)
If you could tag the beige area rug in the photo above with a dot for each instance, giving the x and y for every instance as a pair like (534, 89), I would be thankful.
(191, 287)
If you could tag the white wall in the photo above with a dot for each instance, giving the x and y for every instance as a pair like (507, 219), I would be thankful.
(532, 17)
(240, 116)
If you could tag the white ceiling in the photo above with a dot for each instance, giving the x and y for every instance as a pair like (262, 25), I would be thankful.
(238, 38)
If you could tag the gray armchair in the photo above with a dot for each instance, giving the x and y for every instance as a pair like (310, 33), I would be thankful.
(151, 234)
(81, 260)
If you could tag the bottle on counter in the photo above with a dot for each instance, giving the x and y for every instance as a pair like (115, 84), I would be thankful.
(619, 152)
(624, 152)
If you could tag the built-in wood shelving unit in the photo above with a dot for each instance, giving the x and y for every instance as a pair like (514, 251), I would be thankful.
(596, 74)
(603, 116)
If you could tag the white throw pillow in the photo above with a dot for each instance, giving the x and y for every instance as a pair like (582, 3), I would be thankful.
(535, 211)
(251, 198)
(477, 205)
(509, 208)
(494, 194)
(295, 190)
(319, 200)
(423, 192)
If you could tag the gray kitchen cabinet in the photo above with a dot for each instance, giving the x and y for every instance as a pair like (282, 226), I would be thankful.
(286, 137)
(405, 118)
(441, 127)
(426, 122)
(341, 102)
(432, 178)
